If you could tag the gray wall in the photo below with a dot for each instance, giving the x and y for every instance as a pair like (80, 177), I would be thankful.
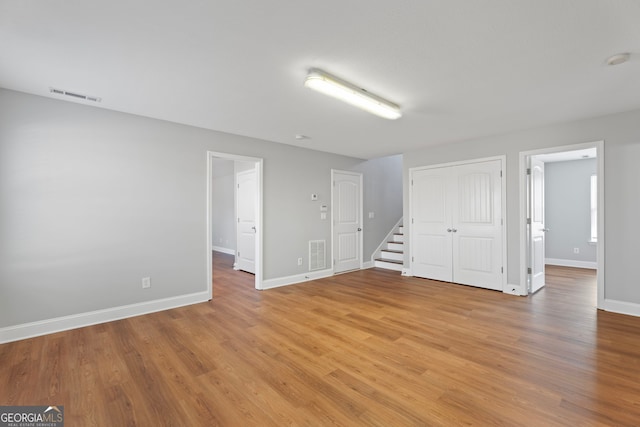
(621, 134)
(223, 223)
(567, 195)
(93, 200)
(382, 194)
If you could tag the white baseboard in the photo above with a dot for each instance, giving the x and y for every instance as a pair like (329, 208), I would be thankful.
(59, 324)
(571, 263)
(622, 307)
(406, 272)
(296, 278)
(368, 264)
(512, 289)
(223, 250)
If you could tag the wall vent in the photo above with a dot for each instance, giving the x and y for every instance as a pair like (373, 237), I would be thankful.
(74, 95)
(317, 255)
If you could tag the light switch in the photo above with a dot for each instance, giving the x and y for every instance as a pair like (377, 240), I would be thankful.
(371, 215)
(314, 197)
(323, 215)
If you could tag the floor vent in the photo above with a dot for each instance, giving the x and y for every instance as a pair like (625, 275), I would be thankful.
(74, 95)
(317, 255)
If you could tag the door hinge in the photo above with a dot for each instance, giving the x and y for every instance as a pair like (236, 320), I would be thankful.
(334, 262)
(411, 182)
(500, 174)
(411, 220)
(529, 270)
(528, 171)
(412, 260)
(501, 221)
(238, 219)
(528, 221)
(238, 186)
(501, 269)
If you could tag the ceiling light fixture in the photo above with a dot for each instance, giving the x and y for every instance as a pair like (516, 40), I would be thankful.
(618, 58)
(351, 94)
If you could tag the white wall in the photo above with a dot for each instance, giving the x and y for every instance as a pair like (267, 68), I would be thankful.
(621, 134)
(567, 210)
(93, 200)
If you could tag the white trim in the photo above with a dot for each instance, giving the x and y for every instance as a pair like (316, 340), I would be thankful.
(259, 233)
(512, 289)
(223, 250)
(599, 146)
(59, 324)
(622, 307)
(296, 278)
(368, 264)
(571, 263)
(503, 183)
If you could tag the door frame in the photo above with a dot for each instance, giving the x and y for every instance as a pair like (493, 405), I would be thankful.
(503, 189)
(209, 209)
(360, 238)
(524, 235)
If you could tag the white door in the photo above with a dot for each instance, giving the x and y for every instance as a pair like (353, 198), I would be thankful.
(477, 225)
(346, 211)
(537, 228)
(456, 228)
(431, 241)
(246, 192)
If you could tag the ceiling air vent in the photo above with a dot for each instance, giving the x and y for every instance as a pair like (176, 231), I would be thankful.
(74, 95)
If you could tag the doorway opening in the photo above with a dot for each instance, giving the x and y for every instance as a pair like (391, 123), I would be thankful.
(227, 198)
(538, 235)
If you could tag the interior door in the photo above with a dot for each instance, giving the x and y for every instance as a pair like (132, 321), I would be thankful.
(457, 225)
(347, 221)
(246, 198)
(537, 228)
(431, 243)
(477, 225)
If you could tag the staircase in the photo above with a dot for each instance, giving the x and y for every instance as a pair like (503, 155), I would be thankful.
(392, 255)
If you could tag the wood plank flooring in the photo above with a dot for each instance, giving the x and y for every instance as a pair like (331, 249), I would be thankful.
(367, 348)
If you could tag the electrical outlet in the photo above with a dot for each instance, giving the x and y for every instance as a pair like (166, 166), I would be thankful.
(299, 261)
(576, 250)
(146, 282)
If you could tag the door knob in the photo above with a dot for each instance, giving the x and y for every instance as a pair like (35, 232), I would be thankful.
(455, 230)
(449, 230)
(359, 229)
(254, 229)
(545, 229)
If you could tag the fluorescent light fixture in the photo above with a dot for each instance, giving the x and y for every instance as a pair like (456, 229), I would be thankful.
(351, 94)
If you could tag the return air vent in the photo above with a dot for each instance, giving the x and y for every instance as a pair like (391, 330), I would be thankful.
(317, 255)
(74, 95)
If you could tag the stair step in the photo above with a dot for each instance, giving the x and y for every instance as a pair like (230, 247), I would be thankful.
(392, 254)
(389, 264)
(397, 237)
(395, 246)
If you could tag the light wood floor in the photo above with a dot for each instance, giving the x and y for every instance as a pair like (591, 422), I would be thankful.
(364, 348)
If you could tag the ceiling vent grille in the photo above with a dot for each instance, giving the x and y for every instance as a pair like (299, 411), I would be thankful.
(74, 95)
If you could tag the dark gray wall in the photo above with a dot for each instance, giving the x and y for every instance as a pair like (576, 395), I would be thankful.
(567, 194)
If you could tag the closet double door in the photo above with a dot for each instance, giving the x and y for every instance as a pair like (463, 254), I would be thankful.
(457, 225)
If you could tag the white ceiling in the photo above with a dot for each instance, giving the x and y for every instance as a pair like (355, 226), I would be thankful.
(459, 68)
